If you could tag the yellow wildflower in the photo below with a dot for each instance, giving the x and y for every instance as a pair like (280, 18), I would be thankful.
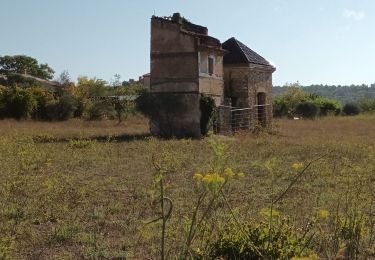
(198, 177)
(213, 178)
(241, 174)
(228, 172)
(297, 166)
(323, 214)
(266, 212)
(213, 181)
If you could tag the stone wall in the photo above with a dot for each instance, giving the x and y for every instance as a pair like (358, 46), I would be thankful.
(211, 84)
(174, 71)
(179, 121)
(244, 82)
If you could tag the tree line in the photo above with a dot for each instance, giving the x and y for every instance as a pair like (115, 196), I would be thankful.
(26, 91)
(342, 93)
(296, 101)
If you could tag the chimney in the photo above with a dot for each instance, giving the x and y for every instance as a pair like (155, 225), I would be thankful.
(176, 17)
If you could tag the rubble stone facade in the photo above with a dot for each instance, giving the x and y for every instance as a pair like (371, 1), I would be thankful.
(248, 80)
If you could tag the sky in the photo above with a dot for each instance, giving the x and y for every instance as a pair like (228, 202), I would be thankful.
(313, 42)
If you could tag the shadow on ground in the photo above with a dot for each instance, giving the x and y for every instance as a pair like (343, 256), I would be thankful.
(99, 138)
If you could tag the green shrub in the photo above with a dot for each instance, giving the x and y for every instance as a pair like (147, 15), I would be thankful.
(82, 105)
(207, 107)
(280, 108)
(100, 110)
(259, 241)
(307, 110)
(351, 109)
(367, 105)
(42, 97)
(61, 109)
(131, 89)
(286, 103)
(123, 108)
(327, 106)
(91, 87)
(17, 103)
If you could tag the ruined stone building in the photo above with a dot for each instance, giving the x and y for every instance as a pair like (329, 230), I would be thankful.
(187, 63)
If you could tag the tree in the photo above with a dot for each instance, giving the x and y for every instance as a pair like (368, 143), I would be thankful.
(23, 64)
(128, 83)
(91, 87)
(64, 79)
(285, 104)
(115, 82)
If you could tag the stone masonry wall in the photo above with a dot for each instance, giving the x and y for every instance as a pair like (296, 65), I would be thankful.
(243, 83)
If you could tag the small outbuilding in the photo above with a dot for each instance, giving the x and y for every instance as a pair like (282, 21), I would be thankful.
(248, 81)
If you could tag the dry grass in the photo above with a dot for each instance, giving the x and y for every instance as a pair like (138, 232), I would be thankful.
(136, 125)
(62, 199)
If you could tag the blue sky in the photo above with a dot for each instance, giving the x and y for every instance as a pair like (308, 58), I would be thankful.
(320, 41)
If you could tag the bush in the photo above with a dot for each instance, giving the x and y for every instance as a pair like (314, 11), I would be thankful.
(351, 109)
(123, 108)
(17, 103)
(207, 107)
(256, 242)
(327, 106)
(131, 89)
(61, 109)
(280, 107)
(82, 105)
(307, 110)
(42, 97)
(100, 110)
(286, 104)
(91, 87)
(367, 105)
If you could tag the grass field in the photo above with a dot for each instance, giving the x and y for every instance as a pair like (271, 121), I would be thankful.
(86, 190)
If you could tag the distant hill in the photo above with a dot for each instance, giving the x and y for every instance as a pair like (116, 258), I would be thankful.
(344, 94)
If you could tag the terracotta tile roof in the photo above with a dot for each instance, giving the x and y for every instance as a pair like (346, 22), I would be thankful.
(239, 53)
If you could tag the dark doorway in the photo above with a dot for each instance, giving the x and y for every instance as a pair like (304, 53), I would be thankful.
(233, 101)
(262, 109)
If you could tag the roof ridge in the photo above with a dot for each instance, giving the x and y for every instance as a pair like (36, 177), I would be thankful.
(240, 53)
(242, 50)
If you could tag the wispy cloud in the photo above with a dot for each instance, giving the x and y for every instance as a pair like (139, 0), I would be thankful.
(353, 14)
